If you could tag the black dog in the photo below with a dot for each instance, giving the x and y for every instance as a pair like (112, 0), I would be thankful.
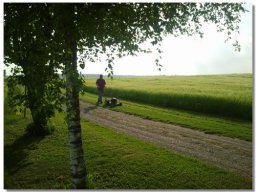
(112, 102)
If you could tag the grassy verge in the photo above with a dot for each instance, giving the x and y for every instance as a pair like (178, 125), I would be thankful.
(214, 125)
(113, 160)
(221, 95)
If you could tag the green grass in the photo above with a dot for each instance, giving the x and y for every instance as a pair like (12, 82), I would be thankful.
(222, 95)
(215, 125)
(113, 161)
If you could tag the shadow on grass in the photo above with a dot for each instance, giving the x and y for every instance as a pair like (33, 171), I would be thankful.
(15, 154)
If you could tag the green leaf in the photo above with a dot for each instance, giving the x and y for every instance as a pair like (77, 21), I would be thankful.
(82, 65)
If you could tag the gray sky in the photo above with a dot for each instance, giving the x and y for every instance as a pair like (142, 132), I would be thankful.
(191, 55)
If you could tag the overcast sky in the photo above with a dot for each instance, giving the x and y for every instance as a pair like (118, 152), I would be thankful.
(191, 55)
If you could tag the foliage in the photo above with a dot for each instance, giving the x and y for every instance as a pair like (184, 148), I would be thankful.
(28, 44)
(119, 29)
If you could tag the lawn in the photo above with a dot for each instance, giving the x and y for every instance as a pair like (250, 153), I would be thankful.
(220, 95)
(113, 161)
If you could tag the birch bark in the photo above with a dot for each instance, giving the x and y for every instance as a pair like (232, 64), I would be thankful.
(78, 169)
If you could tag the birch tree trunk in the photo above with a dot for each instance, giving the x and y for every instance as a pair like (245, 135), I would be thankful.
(78, 169)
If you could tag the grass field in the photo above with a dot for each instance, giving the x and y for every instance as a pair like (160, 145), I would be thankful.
(220, 95)
(117, 161)
(113, 161)
(236, 128)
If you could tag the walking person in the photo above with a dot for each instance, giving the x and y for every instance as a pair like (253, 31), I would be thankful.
(100, 83)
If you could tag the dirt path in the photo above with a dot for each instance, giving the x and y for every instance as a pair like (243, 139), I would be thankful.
(231, 154)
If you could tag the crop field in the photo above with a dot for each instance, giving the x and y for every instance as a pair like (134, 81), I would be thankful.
(218, 95)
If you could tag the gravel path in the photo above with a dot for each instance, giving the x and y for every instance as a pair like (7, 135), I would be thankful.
(228, 153)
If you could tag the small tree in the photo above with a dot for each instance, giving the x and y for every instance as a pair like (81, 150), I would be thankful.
(28, 45)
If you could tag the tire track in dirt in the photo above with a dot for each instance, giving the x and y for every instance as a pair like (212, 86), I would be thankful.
(231, 154)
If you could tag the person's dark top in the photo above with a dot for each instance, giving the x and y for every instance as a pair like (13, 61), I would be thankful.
(100, 84)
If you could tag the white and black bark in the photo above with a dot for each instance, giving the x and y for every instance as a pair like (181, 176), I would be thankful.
(78, 169)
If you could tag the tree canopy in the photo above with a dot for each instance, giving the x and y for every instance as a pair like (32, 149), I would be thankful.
(28, 44)
(119, 29)
(114, 29)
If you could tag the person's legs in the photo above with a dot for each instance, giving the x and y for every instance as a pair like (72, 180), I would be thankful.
(100, 93)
